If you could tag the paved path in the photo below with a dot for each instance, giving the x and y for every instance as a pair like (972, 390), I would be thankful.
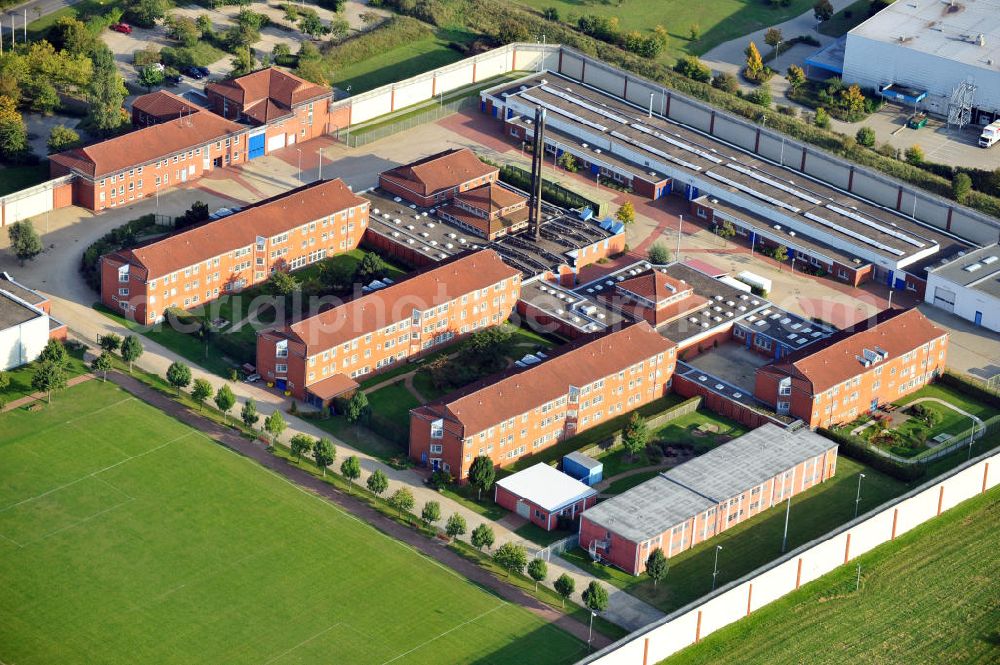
(41, 397)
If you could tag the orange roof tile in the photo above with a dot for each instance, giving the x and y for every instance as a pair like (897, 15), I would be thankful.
(490, 198)
(269, 93)
(835, 359)
(148, 144)
(164, 105)
(503, 396)
(266, 218)
(432, 286)
(439, 172)
(654, 286)
(333, 386)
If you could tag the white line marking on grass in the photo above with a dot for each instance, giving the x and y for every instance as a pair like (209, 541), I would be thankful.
(91, 475)
(450, 630)
(77, 523)
(96, 411)
(305, 641)
(19, 545)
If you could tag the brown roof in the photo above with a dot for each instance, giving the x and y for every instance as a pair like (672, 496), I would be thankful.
(333, 386)
(148, 144)
(266, 218)
(485, 226)
(835, 359)
(509, 394)
(439, 172)
(269, 93)
(490, 198)
(432, 286)
(654, 286)
(163, 104)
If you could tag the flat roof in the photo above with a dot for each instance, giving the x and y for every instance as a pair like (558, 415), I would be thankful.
(13, 310)
(546, 487)
(792, 330)
(572, 309)
(978, 270)
(30, 296)
(947, 30)
(585, 461)
(679, 494)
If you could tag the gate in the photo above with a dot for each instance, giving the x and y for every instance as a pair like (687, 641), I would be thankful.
(256, 146)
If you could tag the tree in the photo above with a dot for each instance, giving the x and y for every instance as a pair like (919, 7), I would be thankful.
(339, 28)
(402, 500)
(822, 118)
(377, 482)
(179, 376)
(914, 155)
(635, 436)
(13, 131)
(538, 571)
(324, 453)
(281, 283)
(595, 597)
(482, 536)
(727, 230)
(183, 29)
(4, 380)
(658, 253)
(110, 342)
(626, 213)
(312, 69)
(961, 186)
(455, 526)
(54, 352)
(656, 566)
(853, 100)
(772, 38)
(865, 136)
(102, 364)
(301, 444)
(62, 138)
(694, 31)
(565, 586)
(204, 23)
(371, 267)
(225, 399)
(726, 82)
(275, 424)
(823, 10)
(131, 350)
(350, 468)
(357, 407)
(24, 240)
(481, 474)
(145, 13)
(512, 558)
(201, 391)
(550, 14)
(242, 62)
(754, 69)
(48, 377)
(431, 513)
(150, 77)
(568, 162)
(249, 414)
(693, 68)
(311, 24)
(796, 76)
(761, 97)
(106, 92)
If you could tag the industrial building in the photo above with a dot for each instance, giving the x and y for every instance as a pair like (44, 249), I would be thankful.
(544, 496)
(703, 497)
(943, 54)
(25, 323)
(969, 287)
(768, 204)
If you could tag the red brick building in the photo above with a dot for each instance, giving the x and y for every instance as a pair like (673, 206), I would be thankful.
(856, 370)
(201, 263)
(318, 358)
(656, 297)
(159, 107)
(701, 498)
(518, 413)
(285, 108)
(489, 211)
(438, 178)
(144, 162)
(544, 496)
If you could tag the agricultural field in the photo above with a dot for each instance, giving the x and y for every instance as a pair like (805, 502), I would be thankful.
(126, 536)
(931, 596)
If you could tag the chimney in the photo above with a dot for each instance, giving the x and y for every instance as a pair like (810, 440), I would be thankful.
(537, 155)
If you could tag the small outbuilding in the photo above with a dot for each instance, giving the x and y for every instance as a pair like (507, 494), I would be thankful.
(543, 494)
(582, 467)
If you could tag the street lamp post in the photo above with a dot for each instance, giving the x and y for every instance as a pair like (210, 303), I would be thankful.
(890, 299)
(972, 437)
(320, 173)
(715, 571)
(299, 175)
(590, 632)
(680, 225)
(857, 500)
(788, 510)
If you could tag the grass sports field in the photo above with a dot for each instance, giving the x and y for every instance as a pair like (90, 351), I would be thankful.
(932, 596)
(128, 537)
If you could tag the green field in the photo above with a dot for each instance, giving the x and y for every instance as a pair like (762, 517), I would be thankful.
(719, 20)
(931, 596)
(128, 537)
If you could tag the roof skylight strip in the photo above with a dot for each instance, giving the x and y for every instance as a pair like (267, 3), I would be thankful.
(867, 222)
(753, 192)
(655, 151)
(590, 107)
(680, 144)
(854, 234)
(774, 183)
(563, 112)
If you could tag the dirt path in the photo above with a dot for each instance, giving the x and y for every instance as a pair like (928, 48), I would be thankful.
(431, 548)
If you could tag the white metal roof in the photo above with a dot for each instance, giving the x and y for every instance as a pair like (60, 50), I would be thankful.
(546, 487)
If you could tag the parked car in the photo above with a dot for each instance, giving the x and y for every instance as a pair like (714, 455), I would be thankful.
(123, 28)
(253, 378)
(204, 71)
(193, 72)
(173, 79)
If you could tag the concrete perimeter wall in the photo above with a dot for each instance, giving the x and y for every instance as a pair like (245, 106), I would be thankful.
(36, 200)
(738, 599)
(878, 188)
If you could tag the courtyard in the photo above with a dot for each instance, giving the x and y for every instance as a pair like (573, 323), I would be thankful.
(731, 362)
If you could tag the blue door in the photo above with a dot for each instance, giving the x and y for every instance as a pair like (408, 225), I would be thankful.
(888, 278)
(979, 319)
(482, 107)
(690, 192)
(280, 384)
(256, 146)
(900, 283)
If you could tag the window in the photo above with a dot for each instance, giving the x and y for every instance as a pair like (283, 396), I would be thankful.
(281, 368)
(436, 448)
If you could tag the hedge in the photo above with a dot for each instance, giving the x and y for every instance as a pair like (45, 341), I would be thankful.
(974, 390)
(857, 450)
(121, 237)
(552, 192)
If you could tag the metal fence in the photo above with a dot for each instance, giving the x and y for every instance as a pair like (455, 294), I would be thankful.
(381, 130)
(558, 547)
(961, 440)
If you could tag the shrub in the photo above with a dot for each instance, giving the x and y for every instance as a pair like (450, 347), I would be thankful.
(822, 118)
(761, 96)
(914, 155)
(866, 137)
(726, 82)
(693, 68)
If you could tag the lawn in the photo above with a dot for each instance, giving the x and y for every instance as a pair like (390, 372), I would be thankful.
(540, 536)
(757, 541)
(393, 402)
(83, 9)
(719, 21)
(148, 543)
(930, 596)
(846, 19)
(20, 378)
(16, 178)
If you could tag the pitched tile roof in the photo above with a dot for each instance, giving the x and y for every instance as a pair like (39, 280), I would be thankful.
(439, 172)
(654, 286)
(333, 386)
(164, 105)
(511, 393)
(490, 198)
(148, 144)
(266, 218)
(269, 93)
(835, 359)
(432, 286)
(487, 227)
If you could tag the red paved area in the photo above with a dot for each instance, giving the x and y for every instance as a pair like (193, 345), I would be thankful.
(40, 397)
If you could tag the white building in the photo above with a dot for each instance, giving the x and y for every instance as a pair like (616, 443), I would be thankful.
(25, 324)
(969, 287)
(931, 46)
